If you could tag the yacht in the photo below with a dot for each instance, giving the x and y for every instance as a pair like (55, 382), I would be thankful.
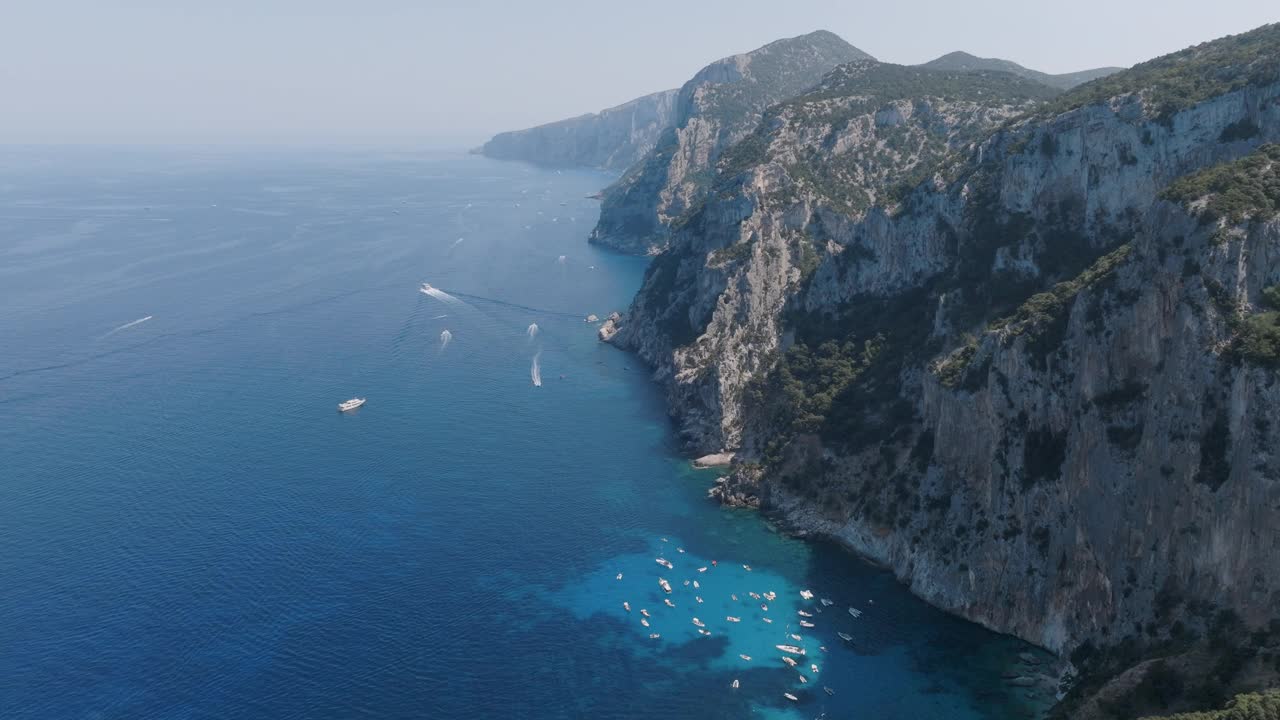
(788, 661)
(791, 649)
(845, 636)
(790, 697)
(351, 404)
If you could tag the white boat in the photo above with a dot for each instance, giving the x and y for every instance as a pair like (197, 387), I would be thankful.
(796, 637)
(679, 549)
(803, 679)
(806, 594)
(351, 404)
(735, 597)
(626, 606)
(806, 624)
(764, 607)
(695, 585)
(791, 649)
(745, 657)
(698, 622)
(664, 562)
(747, 568)
(788, 661)
(644, 622)
(814, 668)
(855, 612)
(644, 612)
(802, 613)
(735, 684)
(665, 585)
(791, 697)
(731, 618)
(825, 602)
(698, 598)
(705, 632)
(823, 648)
(702, 569)
(771, 596)
(654, 636)
(619, 576)
(767, 620)
(828, 691)
(668, 602)
(754, 596)
(845, 636)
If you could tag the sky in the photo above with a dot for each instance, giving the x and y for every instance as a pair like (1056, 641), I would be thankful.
(281, 70)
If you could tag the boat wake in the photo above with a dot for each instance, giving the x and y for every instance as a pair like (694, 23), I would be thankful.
(439, 294)
(535, 372)
(445, 337)
(533, 330)
(128, 325)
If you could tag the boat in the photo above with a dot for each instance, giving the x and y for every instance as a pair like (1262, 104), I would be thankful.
(664, 562)
(825, 602)
(686, 583)
(665, 585)
(771, 596)
(855, 612)
(802, 613)
(814, 668)
(764, 607)
(791, 649)
(679, 549)
(754, 596)
(668, 602)
(695, 585)
(702, 569)
(619, 576)
(796, 637)
(351, 404)
(654, 636)
(698, 622)
(788, 661)
(806, 594)
(807, 624)
(823, 648)
(731, 618)
(747, 568)
(644, 622)
(791, 697)
(735, 597)
(803, 679)
(644, 612)
(745, 657)
(626, 606)
(828, 690)
(767, 620)
(845, 636)
(698, 598)
(735, 684)
(705, 632)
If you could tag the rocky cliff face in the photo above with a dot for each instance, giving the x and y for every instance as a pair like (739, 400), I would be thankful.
(1038, 381)
(716, 108)
(963, 61)
(612, 139)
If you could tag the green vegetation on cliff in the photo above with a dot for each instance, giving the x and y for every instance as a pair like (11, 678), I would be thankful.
(1233, 191)
(1250, 706)
(1180, 80)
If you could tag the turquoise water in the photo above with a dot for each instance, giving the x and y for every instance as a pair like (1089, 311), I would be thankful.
(191, 530)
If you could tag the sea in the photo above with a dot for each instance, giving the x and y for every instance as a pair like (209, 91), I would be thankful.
(190, 529)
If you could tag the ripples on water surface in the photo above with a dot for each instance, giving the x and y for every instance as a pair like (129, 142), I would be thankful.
(191, 530)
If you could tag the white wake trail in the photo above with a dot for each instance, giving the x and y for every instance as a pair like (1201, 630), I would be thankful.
(128, 325)
(440, 295)
(533, 330)
(445, 337)
(535, 372)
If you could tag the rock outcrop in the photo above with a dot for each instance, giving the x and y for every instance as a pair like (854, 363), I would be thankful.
(612, 139)
(721, 104)
(1021, 350)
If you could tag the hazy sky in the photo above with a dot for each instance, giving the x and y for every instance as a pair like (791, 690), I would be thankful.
(313, 69)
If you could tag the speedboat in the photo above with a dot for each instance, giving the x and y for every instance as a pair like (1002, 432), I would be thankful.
(791, 649)
(828, 690)
(654, 636)
(702, 569)
(814, 668)
(747, 568)
(796, 637)
(731, 618)
(695, 585)
(745, 657)
(767, 620)
(668, 602)
(802, 613)
(698, 598)
(619, 576)
(764, 607)
(351, 404)
(806, 594)
(665, 585)
(735, 684)
(806, 624)
(626, 606)
(791, 697)
(845, 636)
(644, 622)
(705, 632)
(803, 679)
(855, 612)
(788, 661)
(698, 622)
(644, 612)
(825, 602)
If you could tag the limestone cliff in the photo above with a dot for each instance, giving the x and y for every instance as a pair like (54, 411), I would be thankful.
(717, 107)
(611, 139)
(1021, 350)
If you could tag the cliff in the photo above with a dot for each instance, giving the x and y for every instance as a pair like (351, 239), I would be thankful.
(612, 139)
(963, 61)
(1020, 349)
(717, 107)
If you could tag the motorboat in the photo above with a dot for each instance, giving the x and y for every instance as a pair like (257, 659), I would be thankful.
(351, 404)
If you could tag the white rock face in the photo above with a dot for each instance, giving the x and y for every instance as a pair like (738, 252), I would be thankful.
(1070, 477)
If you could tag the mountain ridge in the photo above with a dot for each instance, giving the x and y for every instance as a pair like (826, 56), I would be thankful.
(960, 60)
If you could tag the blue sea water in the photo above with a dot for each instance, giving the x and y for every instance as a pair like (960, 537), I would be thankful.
(189, 528)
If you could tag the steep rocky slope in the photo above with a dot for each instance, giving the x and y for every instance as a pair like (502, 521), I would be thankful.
(1037, 380)
(963, 61)
(717, 107)
(612, 139)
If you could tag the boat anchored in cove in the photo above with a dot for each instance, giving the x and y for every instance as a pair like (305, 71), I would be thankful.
(351, 404)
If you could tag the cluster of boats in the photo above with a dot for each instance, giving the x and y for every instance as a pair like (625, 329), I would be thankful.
(793, 655)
